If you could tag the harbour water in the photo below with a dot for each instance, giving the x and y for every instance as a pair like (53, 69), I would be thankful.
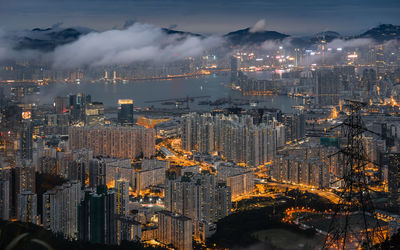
(144, 93)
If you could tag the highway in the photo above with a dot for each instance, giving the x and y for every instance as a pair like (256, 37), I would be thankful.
(323, 193)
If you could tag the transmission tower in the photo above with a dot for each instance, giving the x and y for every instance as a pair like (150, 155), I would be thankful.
(354, 223)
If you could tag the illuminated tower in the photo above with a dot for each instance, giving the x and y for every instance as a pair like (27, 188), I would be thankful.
(122, 197)
(125, 112)
(60, 104)
(26, 140)
(234, 69)
(380, 61)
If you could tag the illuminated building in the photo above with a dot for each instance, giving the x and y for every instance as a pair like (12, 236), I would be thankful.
(294, 126)
(26, 140)
(122, 197)
(326, 87)
(56, 124)
(195, 196)
(369, 79)
(150, 122)
(234, 69)
(392, 161)
(25, 176)
(94, 113)
(118, 169)
(25, 93)
(175, 229)
(235, 136)
(48, 165)
(239, 179)
(152, 173)
(77, 171)
(4, 199)
(60, 213)
(125, 112)
(96, 217)
(380, 61)
(114, 141)
(27, 207)
(97, 172)
(77, 105)
(60, 104)
(308, 164)
(128, 229)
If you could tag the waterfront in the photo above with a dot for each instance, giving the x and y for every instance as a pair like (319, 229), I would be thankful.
(214, 86)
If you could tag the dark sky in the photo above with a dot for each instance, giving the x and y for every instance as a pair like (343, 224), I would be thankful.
(204, 16)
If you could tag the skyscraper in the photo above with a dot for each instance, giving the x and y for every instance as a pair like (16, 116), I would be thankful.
(114, 141)
(195, 196)
(235, 136)
(27, 207)
(94, 113)
(392, 160)
(97, 220)
(175, 229)
(60, 209)
(234, 69)
(60, 104)
(97, 172)
(4, 199)
(326, 87)
(125, 112)
(26, 140)
(122, 197)
(380, 61)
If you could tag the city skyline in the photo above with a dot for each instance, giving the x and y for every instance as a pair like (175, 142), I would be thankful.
(134, 124)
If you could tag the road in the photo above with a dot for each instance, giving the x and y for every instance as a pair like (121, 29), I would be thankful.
(323, 193)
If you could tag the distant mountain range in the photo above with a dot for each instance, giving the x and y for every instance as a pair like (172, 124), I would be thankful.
(383, 32)
(246, 37)
(48, 39)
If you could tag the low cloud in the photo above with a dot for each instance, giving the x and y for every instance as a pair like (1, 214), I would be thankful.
(137, 43)
(4, 46)
(259, 26)
(275, 44)
(352, 43)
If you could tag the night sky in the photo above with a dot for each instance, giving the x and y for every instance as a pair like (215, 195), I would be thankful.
(203, 16)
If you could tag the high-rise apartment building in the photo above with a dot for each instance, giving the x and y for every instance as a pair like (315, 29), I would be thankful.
(175, 229)
(114, 141)
(4, 199)
(326, 87)
(96, 216)
(235, 136)
(97, 172)
(239, 179)
(195, 196)
(121, 197)
(27, 207)
(26, 140)
(151, 173)
(60, 104)
(60, 209)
